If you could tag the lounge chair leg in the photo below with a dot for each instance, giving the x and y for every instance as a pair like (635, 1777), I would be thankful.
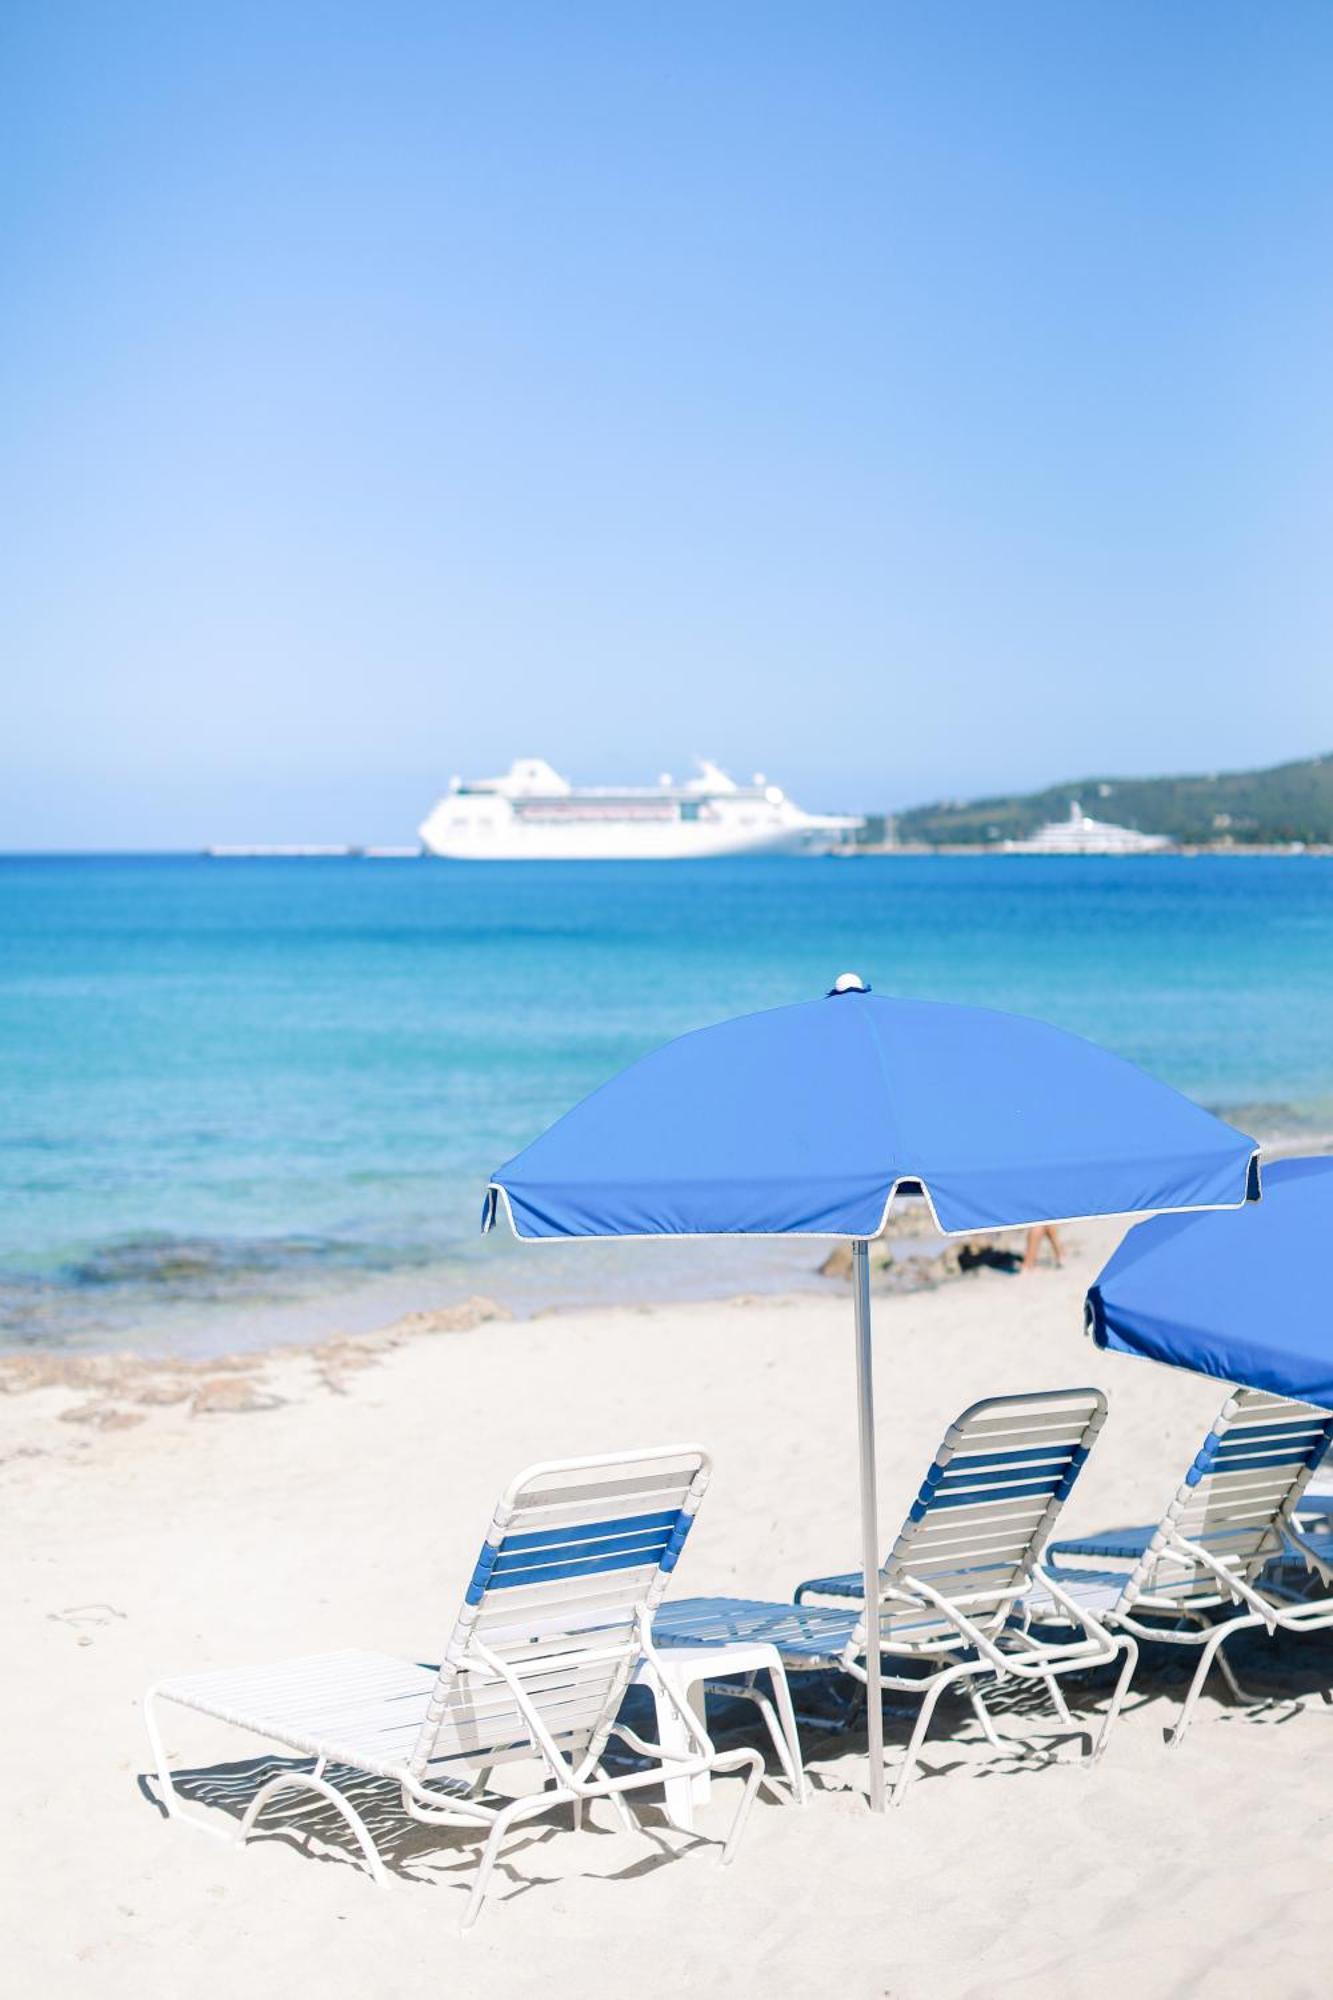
(780, 1723)
(1236, 1689)
(306, 1781)
(1206, 1657)
(680, 1795)
(922, 1725)
(621, 1804)
(1130, 1648)
(983, 1715)
(169, 1798)
(1056, 1693)
(752, 1764)
(977, 1703)
(481, 1880)
(786, 1738)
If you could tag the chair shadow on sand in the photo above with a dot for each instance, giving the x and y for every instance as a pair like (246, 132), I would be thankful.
(421, 1854)
(408, 1851)
(833, 1726)
(1290, 1676)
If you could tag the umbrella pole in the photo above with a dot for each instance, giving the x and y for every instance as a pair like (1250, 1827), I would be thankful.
(865, 1410)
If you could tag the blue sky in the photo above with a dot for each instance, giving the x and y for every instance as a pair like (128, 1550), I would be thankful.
(908, 401)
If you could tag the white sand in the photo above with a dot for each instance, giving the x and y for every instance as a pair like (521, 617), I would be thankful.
(351, 1513)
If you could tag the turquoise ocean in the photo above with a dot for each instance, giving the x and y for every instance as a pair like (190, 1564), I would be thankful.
(243, 1100)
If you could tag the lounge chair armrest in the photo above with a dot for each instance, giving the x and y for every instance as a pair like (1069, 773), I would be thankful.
(1237, 1587)
(561, 1768)
(1079, 1614)
(675, 1766)
(1296, 1539)
(917, 1592)
(698, 1735)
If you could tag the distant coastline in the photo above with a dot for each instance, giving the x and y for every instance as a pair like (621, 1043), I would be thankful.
(1277, 851)
(1285, 810)
(1277, 808)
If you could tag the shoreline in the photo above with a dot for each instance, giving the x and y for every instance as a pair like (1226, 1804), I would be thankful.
(906, 1261)
(120, 1385)
(370, 1317)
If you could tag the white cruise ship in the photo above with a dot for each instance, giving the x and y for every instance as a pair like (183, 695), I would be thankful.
(533, 814)
(1080, 834)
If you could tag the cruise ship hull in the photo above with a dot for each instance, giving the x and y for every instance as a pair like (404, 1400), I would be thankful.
(520, 842)
(533, 814)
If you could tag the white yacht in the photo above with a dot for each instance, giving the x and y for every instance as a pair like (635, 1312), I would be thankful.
(1079, 834)
(533, 814)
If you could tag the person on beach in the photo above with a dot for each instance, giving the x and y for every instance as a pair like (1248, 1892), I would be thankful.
(1040, 1231)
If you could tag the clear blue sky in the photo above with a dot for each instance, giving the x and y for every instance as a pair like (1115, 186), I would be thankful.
(907, 400)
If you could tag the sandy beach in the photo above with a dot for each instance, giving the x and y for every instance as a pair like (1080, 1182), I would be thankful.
(159, 1519)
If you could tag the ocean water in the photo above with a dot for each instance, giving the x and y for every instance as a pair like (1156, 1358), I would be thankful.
(246, 1099)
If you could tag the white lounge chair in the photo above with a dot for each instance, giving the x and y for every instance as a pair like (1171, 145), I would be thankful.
(1233, 1517)
(954, 1588)
(556, 1619)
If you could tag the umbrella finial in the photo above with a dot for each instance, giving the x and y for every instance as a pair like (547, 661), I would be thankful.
(847, 982)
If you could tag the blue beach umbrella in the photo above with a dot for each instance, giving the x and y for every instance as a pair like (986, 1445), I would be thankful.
(809, 1120)
(1243, 1297)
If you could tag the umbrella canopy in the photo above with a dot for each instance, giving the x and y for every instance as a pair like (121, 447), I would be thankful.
(1243, 1297)
(807, 1120)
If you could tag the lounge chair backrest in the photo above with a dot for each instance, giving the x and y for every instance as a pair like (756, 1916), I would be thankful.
(1245, 1481)
(988, 1504)
(575, 1546)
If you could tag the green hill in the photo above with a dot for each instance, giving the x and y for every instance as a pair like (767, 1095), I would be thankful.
(1246, 808)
